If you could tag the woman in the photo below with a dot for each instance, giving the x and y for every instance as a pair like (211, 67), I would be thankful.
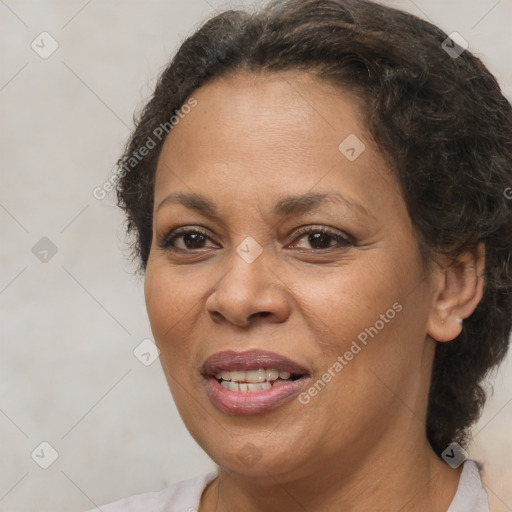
(318, 197)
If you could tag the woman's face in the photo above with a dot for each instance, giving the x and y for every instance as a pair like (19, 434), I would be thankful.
(305, 262)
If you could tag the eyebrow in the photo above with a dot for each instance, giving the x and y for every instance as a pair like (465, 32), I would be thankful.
(291, 205)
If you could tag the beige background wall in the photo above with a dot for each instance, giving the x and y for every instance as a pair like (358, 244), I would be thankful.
(69, 325)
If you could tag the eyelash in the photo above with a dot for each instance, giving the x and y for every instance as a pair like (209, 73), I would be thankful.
(167, 241)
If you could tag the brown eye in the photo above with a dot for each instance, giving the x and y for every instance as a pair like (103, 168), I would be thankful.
(191, 239)
(322, 239)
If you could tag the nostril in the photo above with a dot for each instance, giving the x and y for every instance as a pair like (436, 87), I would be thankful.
(216, 316)
(261, 313)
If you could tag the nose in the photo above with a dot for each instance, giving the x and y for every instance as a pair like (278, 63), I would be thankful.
(248, 293)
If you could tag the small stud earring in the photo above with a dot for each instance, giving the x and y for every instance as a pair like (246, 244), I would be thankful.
(460, 321)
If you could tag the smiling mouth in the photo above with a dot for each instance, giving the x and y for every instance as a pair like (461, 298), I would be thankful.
(254, 380)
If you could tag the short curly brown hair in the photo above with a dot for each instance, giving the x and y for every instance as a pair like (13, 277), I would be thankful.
(440, 120)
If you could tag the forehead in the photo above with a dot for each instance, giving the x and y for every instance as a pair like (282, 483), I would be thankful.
(261, 134)
(279, 111)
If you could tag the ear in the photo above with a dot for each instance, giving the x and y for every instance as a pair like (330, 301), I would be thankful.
(458, 288)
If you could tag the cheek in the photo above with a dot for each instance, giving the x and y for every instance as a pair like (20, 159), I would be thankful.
(172, 302)
(172, 305)
(374, 320)
(364, 319)
(342, 303)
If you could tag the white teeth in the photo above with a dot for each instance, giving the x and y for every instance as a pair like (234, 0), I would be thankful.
(245, 387)
(260, 375)
(238, 376)
(232, 386)
(253, 375)
(272, 375)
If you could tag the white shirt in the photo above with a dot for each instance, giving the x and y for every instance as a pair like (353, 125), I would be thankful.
(185, 496)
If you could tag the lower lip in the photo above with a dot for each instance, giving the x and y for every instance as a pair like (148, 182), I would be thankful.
(252, 402)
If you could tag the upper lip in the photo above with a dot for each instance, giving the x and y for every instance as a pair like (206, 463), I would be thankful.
(231, 360)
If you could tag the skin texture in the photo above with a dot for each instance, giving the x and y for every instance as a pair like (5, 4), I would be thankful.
(360, 443)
